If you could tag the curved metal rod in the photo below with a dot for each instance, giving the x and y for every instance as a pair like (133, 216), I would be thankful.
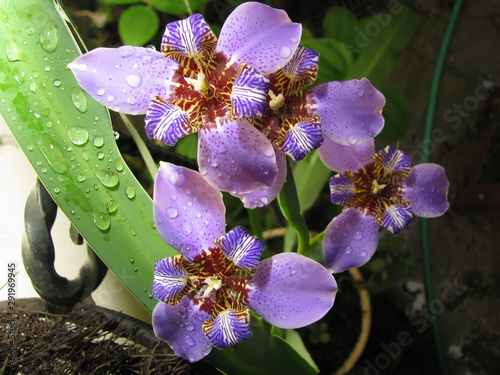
(38, 256)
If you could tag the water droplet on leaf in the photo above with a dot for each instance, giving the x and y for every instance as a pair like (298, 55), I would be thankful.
(102, 221)
(48, 37)
(79, 100)
(111, 206)
(14, 52)
(107, 178)
(130, 192)
(78, 136)
(52, 153)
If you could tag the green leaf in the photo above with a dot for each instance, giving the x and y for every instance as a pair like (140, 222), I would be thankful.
(311, 175)
(396, 114)
(339, 24)
(68, 138)
(188, 146)
(138, 25)
(120, 2)
(293, 338)
(379, 42)
(178, 6)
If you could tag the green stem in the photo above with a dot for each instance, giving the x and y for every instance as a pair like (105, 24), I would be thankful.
(143, 149)
(254, 216)
(290, 207)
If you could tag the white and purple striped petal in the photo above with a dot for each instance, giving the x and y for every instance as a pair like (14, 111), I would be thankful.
(228, 328)
(236, 157)
(170, 278)
(263, 197)
(124, 79)
(350, 240)
(291, 291)
(167, 122)
(259, 35)
(248, 97)
(302, 138)
(350, 111)
(302, 68)
(188, 212)
(241, 248)
(394, 160)
(340, 158)
(341, 189)
(191, 38)
(180, 327)
(426, 187)
(395, 217)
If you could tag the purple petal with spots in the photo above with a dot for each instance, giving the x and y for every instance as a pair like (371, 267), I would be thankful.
(350, 112)
(236, 157)
(181, 328)
(341, 189)
(188, 212)
(248, 97)
(394, 160)
(167, 122)
(191, 37)
(350, 240)
(259, 35)
(169, 280)
(229, 327)
(340, 158)
(426, 187)
(241, 248)
(291, 291)
(263, 197)
(303, 67)
(301, 139)
(396, 217)
(124, 79)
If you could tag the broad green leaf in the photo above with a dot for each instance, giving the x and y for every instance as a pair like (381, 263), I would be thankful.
(138, 25)
(396, 114)
(310, 176)
(120, 2)
(188, 146)
(339, 24)
(68, 138)
(178, 6)
(380, 41)
(293, 338)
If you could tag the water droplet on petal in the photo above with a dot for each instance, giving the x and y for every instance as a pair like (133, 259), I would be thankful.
(110, 98)
(186, 228)
(181, 315)
(189, 340)
(78, 136)
(363, 254)
(134, 80)
(348, 250)
(283, 316)
(352, 139)
(285, 52)
(358, 235)
(100, 91)
(125, 51)
(102, 221)
(176, 178)
(360, 92)
(189, 327)
(172, 213)
(293, 40)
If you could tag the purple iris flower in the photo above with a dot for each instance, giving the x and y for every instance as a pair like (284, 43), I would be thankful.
(205, 292)
(378, 189)
(200, 84)
(296, 121)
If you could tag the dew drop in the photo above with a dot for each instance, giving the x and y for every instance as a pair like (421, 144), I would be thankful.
(33, 87)
(125, 51)
(107, 178)
(111, 206)
(119, 165)
(78, 136)
(130, 192)
(363, 254)
(352, 139)
(132, 230)
(181, 315)
(102, 221)
(135, 268)
(14, 52)
(360, 92)
(110, 98)
(134, 80)
(57, 83)
(293, 40)
(79, 100)
(205, 350)
(47, 68)
(81, 178)
(116, 135)
(189, 340)
(358, 235)
(348, 249)
(186, 228)
(53, 154)
(172, 213)
(57, 190)
(30, 31)
(285, 52)
(176, 178)
(100, 155)
(48, 37)
(150, 295)
(98, 141)
(283, 317)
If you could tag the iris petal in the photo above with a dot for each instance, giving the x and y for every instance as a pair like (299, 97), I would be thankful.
(291, 291)
(301, 138)
(394, 160)
(170, 278)
(302, 69)
(395, 217)
(248, 97)
(124, 79)
(340, 158)
(241, 248)
(342, 189)
(228, 328)
(350, 240)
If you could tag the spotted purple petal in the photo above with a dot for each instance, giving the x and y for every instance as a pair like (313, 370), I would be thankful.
(180, 327)
(341, 189)
(426, 187)
(241, 248)
(248, 97)
(263, 197)
(350, 112)
(259, 35)
(124, 79)
(350, 240)
(396, 217)
(302, 68)
(236, 157)
(188, 212)
(291, 291)
(302, 138)
(228, 328)
(189, 38)
(394, 160)
(167, 122)
(342, 158)
(170, 278)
